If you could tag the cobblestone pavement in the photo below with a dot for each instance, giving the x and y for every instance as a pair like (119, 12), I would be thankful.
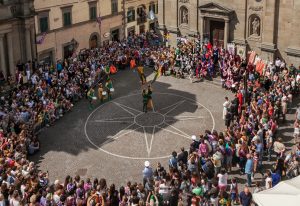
(115, 139)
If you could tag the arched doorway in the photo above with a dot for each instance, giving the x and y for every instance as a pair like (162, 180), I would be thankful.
(94, 41)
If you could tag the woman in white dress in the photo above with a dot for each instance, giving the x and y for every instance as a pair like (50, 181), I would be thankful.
(226, 106)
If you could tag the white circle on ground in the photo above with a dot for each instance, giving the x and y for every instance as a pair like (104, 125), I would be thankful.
(138, 120)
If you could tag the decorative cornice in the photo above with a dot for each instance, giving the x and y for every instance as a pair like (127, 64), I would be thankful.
(269, 47)
(256, 8)
(184, 1)
(240, 41)
(215, 8)
(293, 51)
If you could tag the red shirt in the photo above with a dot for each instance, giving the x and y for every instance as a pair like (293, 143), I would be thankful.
(240, 97)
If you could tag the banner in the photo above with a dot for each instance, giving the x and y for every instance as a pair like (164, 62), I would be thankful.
(231, 48)
(241, 51)
(260, 65)
(40, 39)
(251, 57)
(257, 60)
(157, 75)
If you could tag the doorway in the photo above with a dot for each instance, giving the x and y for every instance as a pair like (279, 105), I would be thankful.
(217, 33)
(93, 41)
(115, 35)
(142, 29)
(68, 51)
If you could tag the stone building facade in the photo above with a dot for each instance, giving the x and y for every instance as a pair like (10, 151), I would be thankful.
(269, 27)
(140, 16)
(65, 27)
(17, 34)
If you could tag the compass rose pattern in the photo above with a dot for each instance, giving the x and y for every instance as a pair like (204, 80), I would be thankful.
(121, 129)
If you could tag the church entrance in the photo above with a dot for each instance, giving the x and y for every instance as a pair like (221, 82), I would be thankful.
(217, 33)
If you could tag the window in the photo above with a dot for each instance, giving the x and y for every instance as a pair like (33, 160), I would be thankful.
(114, 6)
(152, 7)
(130, 15)
(43, 21)
(93, 12)
(67, 16)
(44, 24)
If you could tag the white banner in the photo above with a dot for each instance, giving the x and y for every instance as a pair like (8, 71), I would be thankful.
(231, 48)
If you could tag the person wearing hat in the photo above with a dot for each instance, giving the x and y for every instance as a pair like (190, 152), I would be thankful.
(194, 145)
(147, 172)
(100, 93)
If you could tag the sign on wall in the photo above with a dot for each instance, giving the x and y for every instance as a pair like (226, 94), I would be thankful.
(241, 51)
(106, 35)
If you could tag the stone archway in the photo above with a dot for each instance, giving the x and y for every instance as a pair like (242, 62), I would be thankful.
(94, 40)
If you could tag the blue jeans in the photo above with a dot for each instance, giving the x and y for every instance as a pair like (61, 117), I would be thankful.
(249, 181)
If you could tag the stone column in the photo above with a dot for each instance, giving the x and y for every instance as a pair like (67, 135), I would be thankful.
(2, 57)
(33, 42)
(201, 27)
(28, 44)
(226, 33)
(12, 69)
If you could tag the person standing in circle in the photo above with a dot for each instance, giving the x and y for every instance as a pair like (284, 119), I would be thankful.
(100, 93)
(109, 87)
(91, 97)
(147, 172)
(226, 106)
(149, 102)
(145, 100)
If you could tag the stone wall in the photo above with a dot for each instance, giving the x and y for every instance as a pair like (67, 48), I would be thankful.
(275, 34)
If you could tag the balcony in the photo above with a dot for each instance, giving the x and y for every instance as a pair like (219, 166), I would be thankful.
(141, 19)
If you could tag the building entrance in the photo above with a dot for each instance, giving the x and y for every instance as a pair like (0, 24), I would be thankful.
(217, 33)
(115, 35)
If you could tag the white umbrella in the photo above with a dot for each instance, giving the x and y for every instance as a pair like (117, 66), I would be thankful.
(285, 193)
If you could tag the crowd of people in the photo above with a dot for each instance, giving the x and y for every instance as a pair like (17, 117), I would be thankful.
(196, 176)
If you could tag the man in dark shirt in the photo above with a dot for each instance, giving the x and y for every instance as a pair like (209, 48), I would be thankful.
(194, 145)
(183, 156)
(246, 197)
(213, 193)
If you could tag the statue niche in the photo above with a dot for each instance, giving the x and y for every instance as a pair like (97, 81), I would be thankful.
(254, 26)
(184, 15)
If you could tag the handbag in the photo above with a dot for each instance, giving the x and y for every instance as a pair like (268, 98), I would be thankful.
(104, 93)
(111, 89)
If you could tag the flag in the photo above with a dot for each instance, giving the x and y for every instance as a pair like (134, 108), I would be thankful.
(99, 20)
(142, 76)
(132, 64)
(151, 15)
(113, 69)
(260, 67)
(41, 39)
(140, 70)
(107, 70)
(157, 75)
(252, 57)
